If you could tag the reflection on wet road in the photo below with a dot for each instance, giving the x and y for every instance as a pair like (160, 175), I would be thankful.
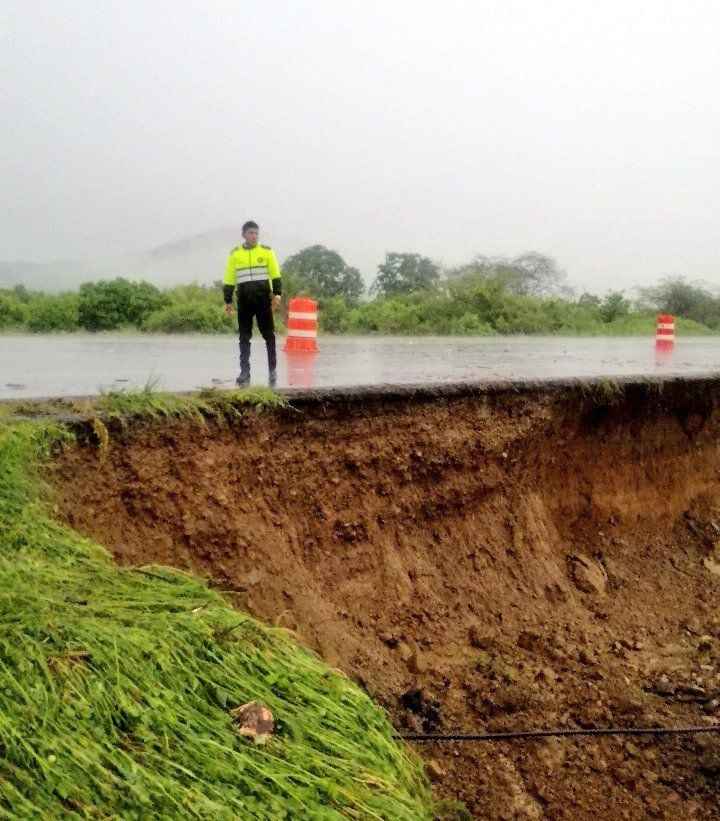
(39, 365)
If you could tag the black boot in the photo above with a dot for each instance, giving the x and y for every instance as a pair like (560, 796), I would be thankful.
(272, 361)
(244, 378)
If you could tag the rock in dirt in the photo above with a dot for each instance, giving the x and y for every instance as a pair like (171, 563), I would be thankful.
(692, 626)
(529, 640)
(426, 708)
(414, 663)
(713, 567)
(480, 639)
(650, 776)
(710, 763)
(389, 639)
(434, 771)
(663, 687)
(404, 651)
(587, 656)
(705, 643)
(287, 620)
(547, 674)
(556, 654)
(254, 720)
(588, 575)
(252, 578)
(692, 690)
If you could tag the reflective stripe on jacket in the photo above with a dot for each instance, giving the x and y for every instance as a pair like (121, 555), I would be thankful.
(252, 265)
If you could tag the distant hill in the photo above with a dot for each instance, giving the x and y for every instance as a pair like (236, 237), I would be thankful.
(49, 276)
(201, 257)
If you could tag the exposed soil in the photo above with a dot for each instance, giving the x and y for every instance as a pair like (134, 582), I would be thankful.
(508, 561)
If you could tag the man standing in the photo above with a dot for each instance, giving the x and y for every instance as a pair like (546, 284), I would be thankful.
(254, 269)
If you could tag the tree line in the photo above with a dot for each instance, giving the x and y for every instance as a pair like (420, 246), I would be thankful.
(411, 294)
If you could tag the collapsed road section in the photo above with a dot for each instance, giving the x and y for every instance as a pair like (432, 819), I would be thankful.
(479, 559)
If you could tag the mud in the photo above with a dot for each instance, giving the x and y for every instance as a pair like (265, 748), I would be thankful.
(510, 559)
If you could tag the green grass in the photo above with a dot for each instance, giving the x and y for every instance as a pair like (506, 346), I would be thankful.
(208, 404)
(603, 390)
(642, 325)
(146, 403)
(116, 687)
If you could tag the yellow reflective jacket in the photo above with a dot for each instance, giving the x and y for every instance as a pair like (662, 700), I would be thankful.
(252, 265)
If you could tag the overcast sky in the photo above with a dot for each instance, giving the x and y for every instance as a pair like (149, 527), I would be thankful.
(587, 131)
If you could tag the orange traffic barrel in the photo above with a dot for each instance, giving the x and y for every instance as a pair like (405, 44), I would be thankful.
(301, 326)
(665, 333)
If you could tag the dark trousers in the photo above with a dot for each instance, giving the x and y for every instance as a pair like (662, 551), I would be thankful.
(253, 300)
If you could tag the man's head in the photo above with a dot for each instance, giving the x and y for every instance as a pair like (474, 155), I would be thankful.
(250, 232)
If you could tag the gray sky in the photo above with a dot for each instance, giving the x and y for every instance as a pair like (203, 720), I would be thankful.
(588, 131)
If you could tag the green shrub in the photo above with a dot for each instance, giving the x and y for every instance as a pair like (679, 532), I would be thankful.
(12, 311)
(52, 312)
(333, 315)
(689, 327)
(189, 317)
(211, 294)
(385, 316)
(614, 306)
(110, 304)
(464, 306)
(469, 324)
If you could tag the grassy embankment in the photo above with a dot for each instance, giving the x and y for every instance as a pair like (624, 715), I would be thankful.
(116, 685)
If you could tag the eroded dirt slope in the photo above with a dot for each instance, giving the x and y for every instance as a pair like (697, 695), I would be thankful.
(489, 562)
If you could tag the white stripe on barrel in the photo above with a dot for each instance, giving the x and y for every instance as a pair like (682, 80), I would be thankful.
(302, 334)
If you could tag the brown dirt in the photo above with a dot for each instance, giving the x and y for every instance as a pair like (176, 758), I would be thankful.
(488, 562)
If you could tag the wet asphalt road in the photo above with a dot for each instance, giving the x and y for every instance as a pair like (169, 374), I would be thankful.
(72, 365)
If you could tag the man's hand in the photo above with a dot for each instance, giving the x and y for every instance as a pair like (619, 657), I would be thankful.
(275, 302)
(228, 309)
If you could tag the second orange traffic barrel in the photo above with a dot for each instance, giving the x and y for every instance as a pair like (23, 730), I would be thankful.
(665, 333)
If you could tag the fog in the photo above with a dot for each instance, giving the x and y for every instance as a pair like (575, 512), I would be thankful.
(586, 131)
